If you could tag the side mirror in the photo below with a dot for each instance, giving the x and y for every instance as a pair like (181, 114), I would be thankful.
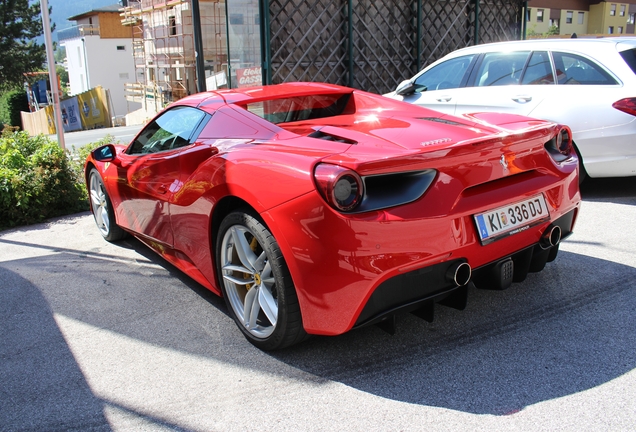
(405, 88)
(105, 153)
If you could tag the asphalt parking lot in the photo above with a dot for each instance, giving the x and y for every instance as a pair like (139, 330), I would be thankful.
(99, 336)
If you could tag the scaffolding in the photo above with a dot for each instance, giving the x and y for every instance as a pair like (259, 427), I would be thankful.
(163, 48)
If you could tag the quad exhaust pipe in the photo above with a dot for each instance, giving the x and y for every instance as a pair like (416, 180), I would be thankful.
(459, 273)
(551, 237)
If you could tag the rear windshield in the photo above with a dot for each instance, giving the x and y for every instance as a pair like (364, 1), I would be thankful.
(300, 108)
(630, 58)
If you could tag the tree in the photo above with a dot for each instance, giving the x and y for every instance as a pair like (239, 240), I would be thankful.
(63, 76)
(60, 53)
(553, 30)
(20, 23)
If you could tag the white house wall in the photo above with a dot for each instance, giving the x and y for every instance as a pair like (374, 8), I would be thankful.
(108, 66)
(111, 68)
(76, 61)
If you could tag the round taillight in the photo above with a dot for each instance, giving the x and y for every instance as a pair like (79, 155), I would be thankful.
(341, 187)
(564, 142)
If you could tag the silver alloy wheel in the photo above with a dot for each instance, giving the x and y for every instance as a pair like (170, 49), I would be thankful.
(99, 205)
(249, 282)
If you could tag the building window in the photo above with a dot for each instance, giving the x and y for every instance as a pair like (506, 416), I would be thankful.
(121, 47)
(539, 15)
(581, 17)
(610, 30)
(568, 17)
(622, 10)
(236, 19)
(612, 9)
(619, 30)
(528, 14)
(631, 18)
(172, 25)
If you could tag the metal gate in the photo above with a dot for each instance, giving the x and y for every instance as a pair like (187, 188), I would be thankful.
(375, 44)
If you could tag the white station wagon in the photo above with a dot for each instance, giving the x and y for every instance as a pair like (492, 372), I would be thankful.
(587, 84)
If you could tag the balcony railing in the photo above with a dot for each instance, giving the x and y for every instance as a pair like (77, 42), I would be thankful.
(76, 32)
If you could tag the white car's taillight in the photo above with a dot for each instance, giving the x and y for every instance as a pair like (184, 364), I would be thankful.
(341, 187)
(627, 105)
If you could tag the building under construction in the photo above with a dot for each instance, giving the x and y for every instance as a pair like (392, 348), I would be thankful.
(368, 44)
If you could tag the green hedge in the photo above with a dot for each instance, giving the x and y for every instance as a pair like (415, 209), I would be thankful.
(39, 180)
(11, 103)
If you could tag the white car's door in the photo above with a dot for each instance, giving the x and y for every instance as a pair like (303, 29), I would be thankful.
(583, 100)
(442, 101)
(500, 83)
(437, 87)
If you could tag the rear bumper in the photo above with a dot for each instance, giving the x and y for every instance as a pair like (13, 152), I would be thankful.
(338, 265)
(418, 290)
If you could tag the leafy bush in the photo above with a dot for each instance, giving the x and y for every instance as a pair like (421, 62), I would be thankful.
(39, 180)
(11, 103)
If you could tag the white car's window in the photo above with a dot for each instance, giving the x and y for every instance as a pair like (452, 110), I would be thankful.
(539, 70)
(501, 68)
(446, 75)
(575, 69)
(171, 130)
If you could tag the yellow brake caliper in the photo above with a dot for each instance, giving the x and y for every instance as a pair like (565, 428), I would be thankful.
(253, 245)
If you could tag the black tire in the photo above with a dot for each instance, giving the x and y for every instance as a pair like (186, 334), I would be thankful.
(256, 283)
(102, 208)
(582, 171)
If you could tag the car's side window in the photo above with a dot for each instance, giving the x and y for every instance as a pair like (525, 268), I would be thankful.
(446, 75)
(629, 56)
(501, 68)
(538, 70)
(173, 129)
(576, 69)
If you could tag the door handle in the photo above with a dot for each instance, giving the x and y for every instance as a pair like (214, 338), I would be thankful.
(522, 98)
(162, 189)
(444, 98)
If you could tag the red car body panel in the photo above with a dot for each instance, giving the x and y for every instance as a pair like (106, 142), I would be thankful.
(336, 259)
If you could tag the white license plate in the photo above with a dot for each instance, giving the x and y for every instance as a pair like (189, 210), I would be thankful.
(512, 218)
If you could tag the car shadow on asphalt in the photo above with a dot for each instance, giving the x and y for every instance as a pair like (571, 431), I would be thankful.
(43, 386)
(37, 366)
(558, 333)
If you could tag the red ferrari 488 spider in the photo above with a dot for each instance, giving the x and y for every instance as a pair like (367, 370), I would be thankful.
(314, 208)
